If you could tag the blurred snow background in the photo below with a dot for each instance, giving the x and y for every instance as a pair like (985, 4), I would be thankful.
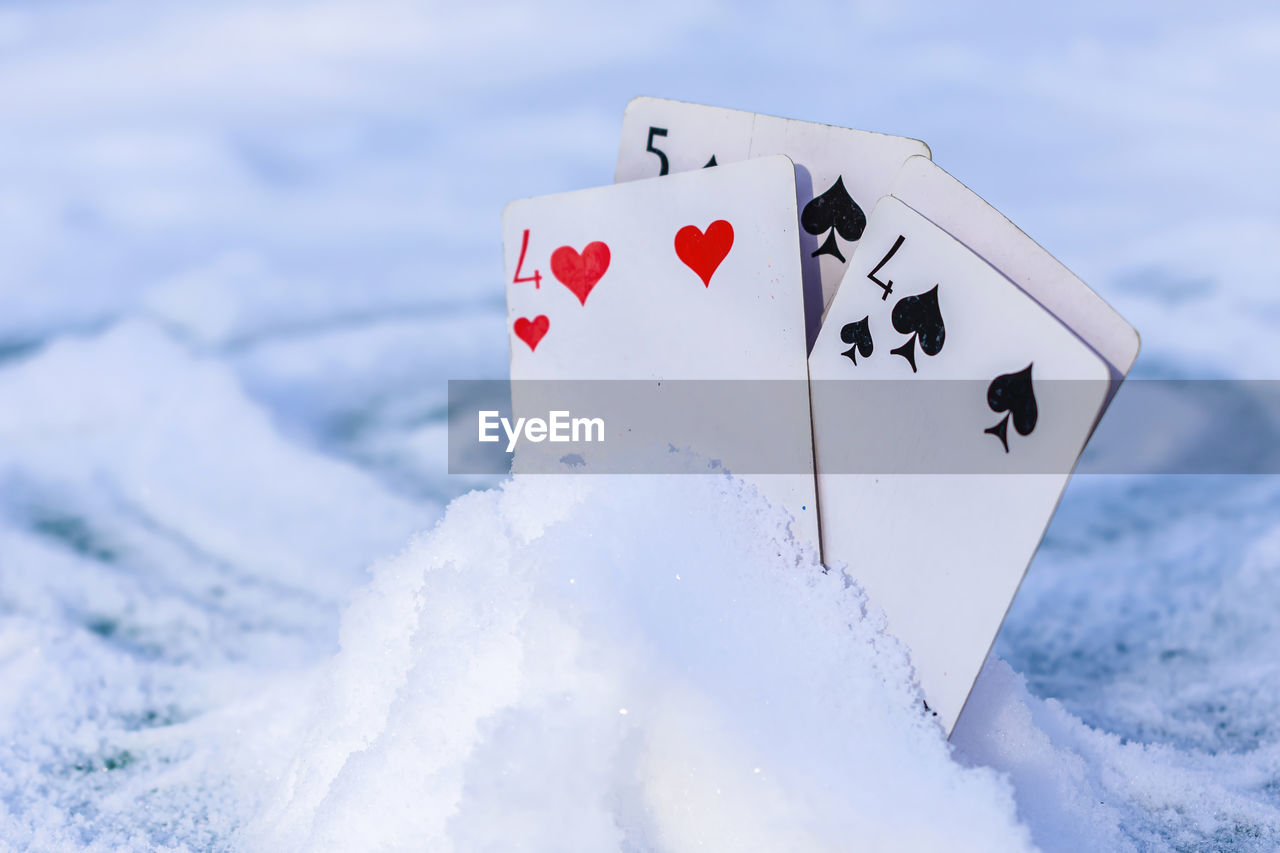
(242, 247)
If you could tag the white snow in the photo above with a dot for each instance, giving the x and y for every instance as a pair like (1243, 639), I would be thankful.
(598, 663)
(242, 247)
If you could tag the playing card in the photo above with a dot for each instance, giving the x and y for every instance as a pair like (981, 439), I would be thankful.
(840, 172)
(940, 469)
(693, 276)
(938, 196)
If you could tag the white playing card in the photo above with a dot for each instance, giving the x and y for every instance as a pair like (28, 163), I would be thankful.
(930, 191)
(846, 170)
(942, 552)
(693, 276)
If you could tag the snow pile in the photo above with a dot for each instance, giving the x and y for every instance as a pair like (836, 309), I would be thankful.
(595, 663)
(136, 438)
(166, 556)
(1150, 615)
(1084, 789)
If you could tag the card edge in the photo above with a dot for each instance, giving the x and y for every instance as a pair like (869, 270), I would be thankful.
(1129, 327)
(928, 151)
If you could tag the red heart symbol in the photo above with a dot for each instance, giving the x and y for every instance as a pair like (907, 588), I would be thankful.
(532, 331)
(577, 272)
(703, 253)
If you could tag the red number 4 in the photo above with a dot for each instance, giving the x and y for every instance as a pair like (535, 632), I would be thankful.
(536, 278)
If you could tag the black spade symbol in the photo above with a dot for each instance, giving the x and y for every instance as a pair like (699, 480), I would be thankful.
(836, 211)
(711, 162)
(920, 317)
(1013, 393)
(858, 334)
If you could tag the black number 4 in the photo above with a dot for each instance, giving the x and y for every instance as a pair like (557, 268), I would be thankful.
(886, 286)
(657, 131)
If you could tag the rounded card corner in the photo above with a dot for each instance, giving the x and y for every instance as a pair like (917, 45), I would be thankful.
(780, 159)
(636, 100)
(1137, 349)
(507, 210)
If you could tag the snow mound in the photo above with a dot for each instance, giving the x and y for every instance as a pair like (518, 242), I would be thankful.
(1080, 788)
(166, 557)
(601, 663)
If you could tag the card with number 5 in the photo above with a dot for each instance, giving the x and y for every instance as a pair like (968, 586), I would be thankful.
(694, 276)
(840, 173)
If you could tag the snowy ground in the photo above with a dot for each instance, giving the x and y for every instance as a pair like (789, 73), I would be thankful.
(242, 247)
